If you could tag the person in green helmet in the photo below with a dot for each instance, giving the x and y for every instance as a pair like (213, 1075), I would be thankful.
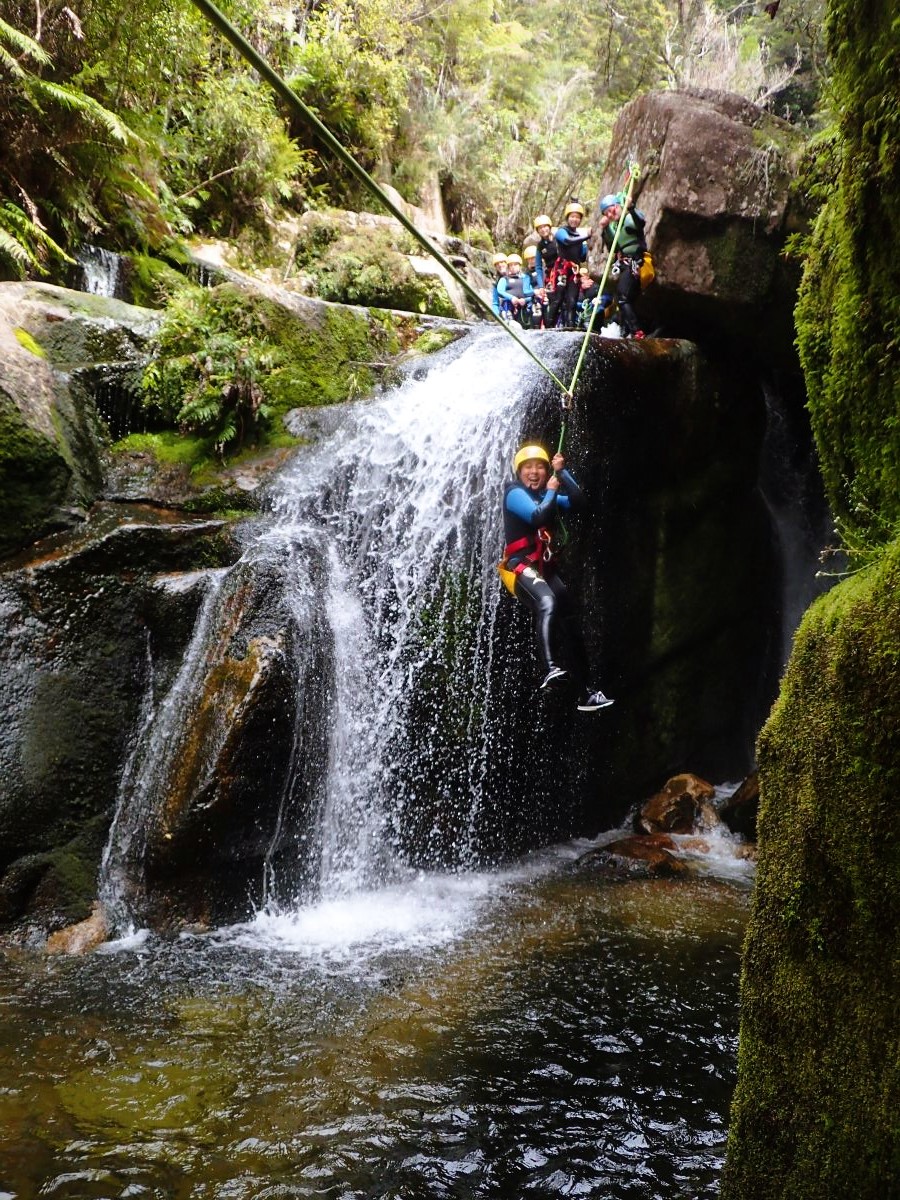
(532, 504)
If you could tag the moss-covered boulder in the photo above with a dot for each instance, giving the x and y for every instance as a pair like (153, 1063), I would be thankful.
(815, 1114)
(848, 316)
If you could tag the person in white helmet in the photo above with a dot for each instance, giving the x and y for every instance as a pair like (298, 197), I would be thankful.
(572, 250)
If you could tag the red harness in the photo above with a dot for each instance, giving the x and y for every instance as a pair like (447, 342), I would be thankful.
(538, 547)
(565, 268)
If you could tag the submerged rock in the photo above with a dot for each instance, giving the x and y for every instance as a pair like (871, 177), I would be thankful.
(643, 856)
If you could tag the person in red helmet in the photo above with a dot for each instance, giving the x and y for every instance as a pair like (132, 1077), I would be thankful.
(532, 504)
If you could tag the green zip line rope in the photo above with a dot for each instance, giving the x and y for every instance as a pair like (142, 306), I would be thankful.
(293, 101)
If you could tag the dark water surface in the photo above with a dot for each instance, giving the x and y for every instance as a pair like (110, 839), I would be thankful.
(539, 1032)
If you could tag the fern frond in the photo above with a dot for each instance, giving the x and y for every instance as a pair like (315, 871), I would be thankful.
(23, 43)
(14, 250)
(75, 101)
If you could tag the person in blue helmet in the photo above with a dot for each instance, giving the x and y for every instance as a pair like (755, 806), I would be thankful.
(630, 251)
(532, 504)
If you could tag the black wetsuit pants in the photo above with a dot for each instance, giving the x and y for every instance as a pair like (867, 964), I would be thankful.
(628, 289)
(556, 625)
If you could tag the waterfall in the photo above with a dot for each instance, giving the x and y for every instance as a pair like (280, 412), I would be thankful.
(792, 489)
(152, 760)
(101, 272)
(408, 493)
(387, 533)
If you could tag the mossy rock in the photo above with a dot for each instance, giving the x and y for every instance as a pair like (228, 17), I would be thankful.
(815, 1111)
(34, 478)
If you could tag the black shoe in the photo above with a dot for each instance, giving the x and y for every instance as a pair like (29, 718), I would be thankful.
(555, 678)
(592, 701)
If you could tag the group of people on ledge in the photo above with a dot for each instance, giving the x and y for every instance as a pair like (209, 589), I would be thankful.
(549, 285)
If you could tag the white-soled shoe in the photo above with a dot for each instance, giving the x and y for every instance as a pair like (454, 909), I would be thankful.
(592, 701)
(555, 677)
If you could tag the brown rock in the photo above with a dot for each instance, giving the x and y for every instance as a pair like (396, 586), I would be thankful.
(643, 855)
(678, 806)
(715, 188)
(740, 809)
(80, 938)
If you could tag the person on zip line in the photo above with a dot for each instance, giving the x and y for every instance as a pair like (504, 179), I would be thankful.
(563, 286)
(515, 293)
(631, 252)
(532, 505)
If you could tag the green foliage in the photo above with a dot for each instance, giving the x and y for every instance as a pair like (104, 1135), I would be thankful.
(848, 312)
(815, 1110)
(231, 161)
(365, 269)
(211, 356)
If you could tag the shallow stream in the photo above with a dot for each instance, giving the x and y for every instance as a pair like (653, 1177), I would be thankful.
(538, 1031)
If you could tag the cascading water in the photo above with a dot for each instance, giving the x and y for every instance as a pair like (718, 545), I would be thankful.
(101, 272)
(391, 529)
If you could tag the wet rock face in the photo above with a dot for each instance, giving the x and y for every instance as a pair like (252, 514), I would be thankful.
(715, 187)
(80, 615)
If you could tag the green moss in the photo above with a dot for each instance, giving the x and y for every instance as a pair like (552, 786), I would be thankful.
(170, 447)
(24, 338)
(433, 340)
(33, 478)
(848, 312)
(816, 1108)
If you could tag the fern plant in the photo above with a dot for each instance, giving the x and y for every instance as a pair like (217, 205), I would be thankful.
(208, 372)
(25, 245)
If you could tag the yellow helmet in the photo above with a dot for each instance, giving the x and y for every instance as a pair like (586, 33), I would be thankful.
(498, 259)
(530, 251)
(574, 207)
(543, 219)
(532, 450)
(515, 258)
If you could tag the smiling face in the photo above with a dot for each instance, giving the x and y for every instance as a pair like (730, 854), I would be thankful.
(543, 231)
(533, 474)
(573, 220)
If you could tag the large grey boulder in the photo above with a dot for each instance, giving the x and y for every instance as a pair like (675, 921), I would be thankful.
(716, 187)
(50, 430)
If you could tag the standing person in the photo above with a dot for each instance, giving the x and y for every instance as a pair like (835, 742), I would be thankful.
(539, 296)
(532, 504)
(630, 250)
(589, 289)
(547, 249)
(499, 272)
(515, 292)
(572, 247)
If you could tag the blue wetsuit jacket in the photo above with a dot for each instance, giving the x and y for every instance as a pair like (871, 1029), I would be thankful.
(525, 512)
